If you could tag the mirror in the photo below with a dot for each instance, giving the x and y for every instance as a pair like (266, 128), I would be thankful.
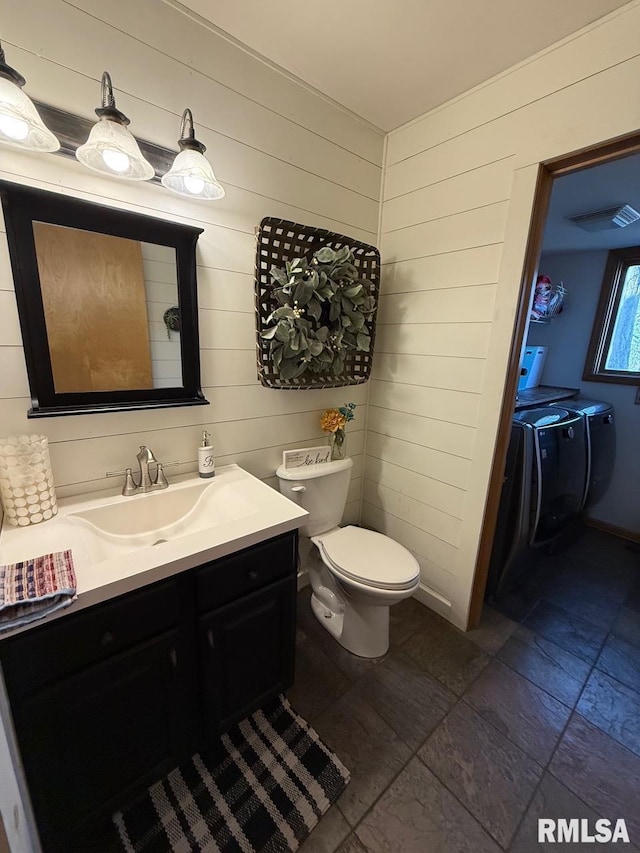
(107, 304)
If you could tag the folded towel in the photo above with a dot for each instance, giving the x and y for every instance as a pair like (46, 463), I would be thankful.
(35, 588)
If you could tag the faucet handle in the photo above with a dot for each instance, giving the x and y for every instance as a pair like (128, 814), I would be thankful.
(129, 487)
(161, 481)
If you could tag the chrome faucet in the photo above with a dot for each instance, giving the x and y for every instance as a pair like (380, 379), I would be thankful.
(145, 458)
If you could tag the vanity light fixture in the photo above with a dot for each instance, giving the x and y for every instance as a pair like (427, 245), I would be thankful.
(111, 149)
(20, 123)
(191, 173)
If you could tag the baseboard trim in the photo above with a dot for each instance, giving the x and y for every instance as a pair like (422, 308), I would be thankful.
(620, 532)
(430, 598)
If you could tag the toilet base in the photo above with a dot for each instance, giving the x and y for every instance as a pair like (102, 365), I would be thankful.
(362, 629)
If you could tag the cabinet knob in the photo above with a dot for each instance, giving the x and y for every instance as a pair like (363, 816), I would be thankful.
(106, 639)
(253, 575)
(210, 638)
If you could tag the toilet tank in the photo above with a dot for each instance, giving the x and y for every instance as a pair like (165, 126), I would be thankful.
(321, 490)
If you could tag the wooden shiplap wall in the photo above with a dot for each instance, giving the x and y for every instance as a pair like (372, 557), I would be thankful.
(279, 150)
(458, 190)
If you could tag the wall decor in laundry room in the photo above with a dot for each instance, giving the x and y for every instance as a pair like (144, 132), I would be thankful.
(316, 298)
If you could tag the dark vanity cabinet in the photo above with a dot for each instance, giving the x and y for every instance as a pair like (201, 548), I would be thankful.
(108, 700)
(246, 644)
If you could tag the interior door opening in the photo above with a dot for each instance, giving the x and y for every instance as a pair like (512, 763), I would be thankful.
(549, 362)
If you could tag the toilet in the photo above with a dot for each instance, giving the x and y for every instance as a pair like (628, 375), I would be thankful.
(356, 574)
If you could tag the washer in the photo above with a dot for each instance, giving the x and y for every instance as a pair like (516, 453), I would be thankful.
(543, 490)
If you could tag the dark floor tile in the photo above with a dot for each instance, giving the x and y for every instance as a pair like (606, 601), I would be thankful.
(351, 845)
(597, 554)
(493, 631)
(489, 774)
(319, 682)
(600, 771)
(621, 660)
(351, 665)
(527, 715)
(406, 618)
(602, 578)
(632, 600)
(367, 746)
(587, 601)
(516, 605)
(551, 800)
(570, 632)
(410, 700)
(627, 626)
(612, 707)
(331, 830)
(418, 814)
(557, 671)
(446, 653)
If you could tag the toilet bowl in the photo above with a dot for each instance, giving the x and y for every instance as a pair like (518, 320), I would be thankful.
(356, 574)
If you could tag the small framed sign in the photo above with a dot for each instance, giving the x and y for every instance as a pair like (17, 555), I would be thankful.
(305, 456)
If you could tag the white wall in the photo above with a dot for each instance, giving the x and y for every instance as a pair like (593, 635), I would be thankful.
(458, 192)
(278, 149)
(567, 337)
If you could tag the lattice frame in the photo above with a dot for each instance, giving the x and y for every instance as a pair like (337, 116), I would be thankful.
(278, 241)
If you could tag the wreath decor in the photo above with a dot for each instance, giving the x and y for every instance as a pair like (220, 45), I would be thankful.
(323, 314)
(171, 319)
(313, 317)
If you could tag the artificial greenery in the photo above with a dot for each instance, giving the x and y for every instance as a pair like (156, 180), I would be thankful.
(322, 314)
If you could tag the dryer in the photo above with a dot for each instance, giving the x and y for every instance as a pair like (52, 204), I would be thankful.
(600, 436)
(542, 492)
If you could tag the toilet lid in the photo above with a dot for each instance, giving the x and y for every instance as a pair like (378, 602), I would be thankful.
(370, 558)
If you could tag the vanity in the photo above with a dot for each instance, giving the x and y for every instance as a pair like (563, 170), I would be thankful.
(179, 630)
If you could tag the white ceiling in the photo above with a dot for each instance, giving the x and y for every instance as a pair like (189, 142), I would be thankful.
(392, 60)
(597, 188)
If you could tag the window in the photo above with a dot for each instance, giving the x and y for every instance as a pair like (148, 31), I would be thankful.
(614, 351)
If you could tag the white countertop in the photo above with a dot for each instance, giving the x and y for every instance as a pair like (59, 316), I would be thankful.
(107, 565)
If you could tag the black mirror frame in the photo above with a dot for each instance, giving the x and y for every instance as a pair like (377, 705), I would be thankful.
(24, 205)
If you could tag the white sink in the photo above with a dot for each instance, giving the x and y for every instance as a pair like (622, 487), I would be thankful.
(121, 543)
(186, 507)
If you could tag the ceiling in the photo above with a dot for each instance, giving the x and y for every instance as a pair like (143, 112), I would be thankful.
(392, 60)
(597, 188)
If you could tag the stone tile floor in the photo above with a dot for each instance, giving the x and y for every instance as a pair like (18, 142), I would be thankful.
(457, 743)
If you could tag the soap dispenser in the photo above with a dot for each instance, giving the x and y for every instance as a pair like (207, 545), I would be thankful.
(206, 463)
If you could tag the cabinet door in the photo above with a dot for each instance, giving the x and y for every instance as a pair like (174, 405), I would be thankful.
(95, 736)
(247, 653)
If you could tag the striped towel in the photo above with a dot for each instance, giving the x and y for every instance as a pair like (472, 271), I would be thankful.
(35, 588)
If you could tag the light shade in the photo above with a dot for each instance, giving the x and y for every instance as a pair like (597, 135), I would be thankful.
(111, 149)
(191, 174)
(20, 124)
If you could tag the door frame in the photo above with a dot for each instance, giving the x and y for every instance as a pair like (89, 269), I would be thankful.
(547, 171)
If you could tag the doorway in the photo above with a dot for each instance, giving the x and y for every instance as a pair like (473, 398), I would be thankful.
(549, 173)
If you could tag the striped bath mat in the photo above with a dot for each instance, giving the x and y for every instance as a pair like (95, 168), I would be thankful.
(262, 787)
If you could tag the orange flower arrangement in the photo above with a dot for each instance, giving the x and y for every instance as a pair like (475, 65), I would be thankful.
(332, 420)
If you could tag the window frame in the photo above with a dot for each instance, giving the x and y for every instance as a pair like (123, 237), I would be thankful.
(618, 262)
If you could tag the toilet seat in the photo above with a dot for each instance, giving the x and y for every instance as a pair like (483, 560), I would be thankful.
(369, 558)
